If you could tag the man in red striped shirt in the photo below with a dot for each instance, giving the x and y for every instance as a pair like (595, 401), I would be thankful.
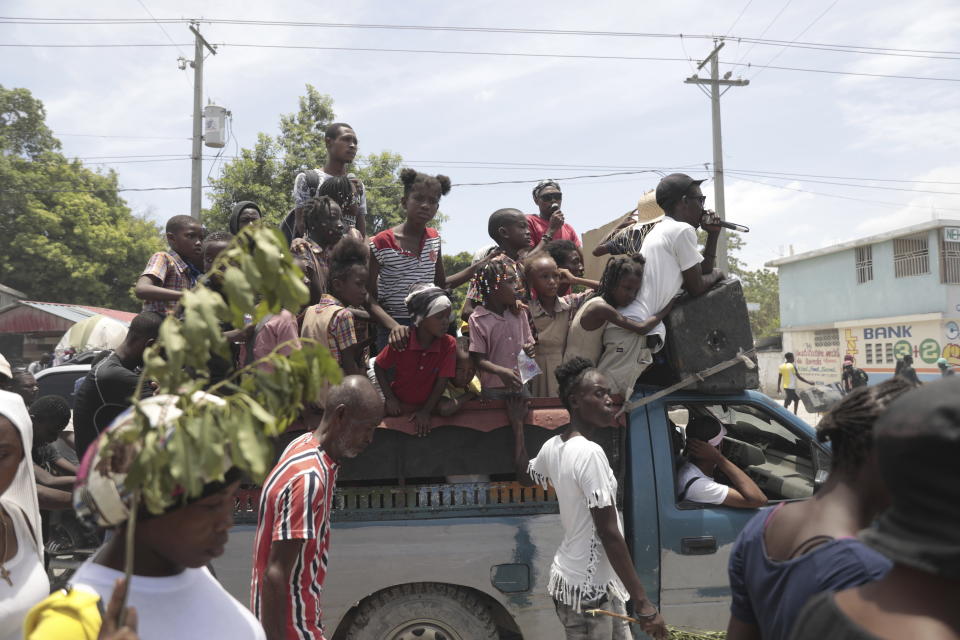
(293, 523)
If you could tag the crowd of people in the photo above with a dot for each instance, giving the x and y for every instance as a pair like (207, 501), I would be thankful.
(531, 326)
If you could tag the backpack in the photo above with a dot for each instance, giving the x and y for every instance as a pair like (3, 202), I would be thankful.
(860, 377)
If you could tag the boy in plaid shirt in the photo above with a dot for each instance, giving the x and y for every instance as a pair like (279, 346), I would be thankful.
(168, 273)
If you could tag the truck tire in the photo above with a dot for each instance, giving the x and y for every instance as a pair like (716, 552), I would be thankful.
(423, 611)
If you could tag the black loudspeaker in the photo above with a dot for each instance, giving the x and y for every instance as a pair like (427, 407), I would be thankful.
(705, 331)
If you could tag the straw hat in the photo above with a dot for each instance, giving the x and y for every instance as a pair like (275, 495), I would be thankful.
(647, 208)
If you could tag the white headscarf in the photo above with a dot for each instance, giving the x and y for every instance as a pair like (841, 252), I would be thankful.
(22, 492)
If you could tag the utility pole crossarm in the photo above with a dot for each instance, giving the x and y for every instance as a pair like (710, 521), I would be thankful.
(715, 82)
(212, 49)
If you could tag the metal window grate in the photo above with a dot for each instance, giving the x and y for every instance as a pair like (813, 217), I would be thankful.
(911, 256)
(864, 264)
(868, 353)
(949, 262)
(826, 338)
(888, 353)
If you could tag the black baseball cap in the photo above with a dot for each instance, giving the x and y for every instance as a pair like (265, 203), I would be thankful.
(673, 187)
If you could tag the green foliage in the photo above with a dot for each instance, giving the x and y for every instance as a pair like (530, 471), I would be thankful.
(683, 634)
(23, 130)
(454, 264)
(265, 174)
(65, 234)
(255, 403)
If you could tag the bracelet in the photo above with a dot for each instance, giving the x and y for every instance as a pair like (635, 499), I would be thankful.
(649, 616)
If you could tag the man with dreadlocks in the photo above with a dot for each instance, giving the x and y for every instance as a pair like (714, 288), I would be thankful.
(789, 553)
(599, 333)
(422, 370)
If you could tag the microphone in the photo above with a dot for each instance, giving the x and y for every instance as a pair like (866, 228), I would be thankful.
(709, 218)
(554, 207)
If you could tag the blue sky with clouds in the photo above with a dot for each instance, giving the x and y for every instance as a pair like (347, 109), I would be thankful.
(468, 116)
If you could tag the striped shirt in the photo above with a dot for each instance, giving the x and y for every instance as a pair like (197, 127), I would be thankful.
(400, 270)
(295, 504)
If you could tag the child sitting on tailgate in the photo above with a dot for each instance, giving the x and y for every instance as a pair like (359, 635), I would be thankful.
(422, 370)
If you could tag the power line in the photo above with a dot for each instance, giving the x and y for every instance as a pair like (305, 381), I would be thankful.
(511, 30)
(764, 32)
(161, 26)
(739, 15)
(886, 203)
(848, 184)
(799, 35)
(99, 135)
(509, 54)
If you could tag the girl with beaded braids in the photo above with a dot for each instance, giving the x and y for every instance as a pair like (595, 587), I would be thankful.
(790, 552)
(408, 254)
(592, 568)
(498, 331)
(602, 334)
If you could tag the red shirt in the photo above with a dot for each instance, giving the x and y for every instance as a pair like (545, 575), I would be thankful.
(419, 368)
(295, 504)
(538, 226)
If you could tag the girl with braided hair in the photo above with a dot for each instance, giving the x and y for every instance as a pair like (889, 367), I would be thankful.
(323, 228)
(498, 331)
(602, 334)
(347, 193)
(795, 550)
(408, 254)
(592, 568)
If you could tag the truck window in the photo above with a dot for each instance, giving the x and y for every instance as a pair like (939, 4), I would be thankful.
(779, 461)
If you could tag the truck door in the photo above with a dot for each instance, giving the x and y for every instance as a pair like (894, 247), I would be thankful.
(777, 451)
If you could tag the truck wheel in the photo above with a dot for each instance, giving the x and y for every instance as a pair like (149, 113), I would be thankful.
(423, 611)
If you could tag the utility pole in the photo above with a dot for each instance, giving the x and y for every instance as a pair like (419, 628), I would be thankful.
(196, 173)
(715, 83)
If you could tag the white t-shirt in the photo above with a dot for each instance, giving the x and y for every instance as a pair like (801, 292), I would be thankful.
(189, 606)
(30, 584)
(669, 249)
(579, 471)
(704, 489)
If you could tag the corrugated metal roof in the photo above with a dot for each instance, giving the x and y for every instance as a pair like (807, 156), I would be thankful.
(13, 292)
(71, 312)
(14, 320)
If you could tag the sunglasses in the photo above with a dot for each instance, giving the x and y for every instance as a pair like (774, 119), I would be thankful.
(552, 197)
(700, 199)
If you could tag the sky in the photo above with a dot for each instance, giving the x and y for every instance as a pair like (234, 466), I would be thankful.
(812, 158)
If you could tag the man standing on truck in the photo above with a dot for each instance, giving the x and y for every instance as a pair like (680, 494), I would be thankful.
(592, 569)
(670, 250)
(293, 524)
(787, 379)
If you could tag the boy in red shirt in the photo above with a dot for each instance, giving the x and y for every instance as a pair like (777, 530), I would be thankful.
(422, 370)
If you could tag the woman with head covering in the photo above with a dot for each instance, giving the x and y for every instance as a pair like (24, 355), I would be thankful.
(23, 581)
(242, 214)
(917, 443)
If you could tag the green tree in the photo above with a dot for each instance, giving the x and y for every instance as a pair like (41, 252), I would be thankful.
(456, 263)
(265, 173)
(65, 233)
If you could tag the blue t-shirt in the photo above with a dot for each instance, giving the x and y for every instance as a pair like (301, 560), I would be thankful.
(770, 594)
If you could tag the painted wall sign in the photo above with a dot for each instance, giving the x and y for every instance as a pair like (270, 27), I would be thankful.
(951, 234)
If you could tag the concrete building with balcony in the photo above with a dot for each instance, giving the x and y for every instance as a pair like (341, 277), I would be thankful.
(877, 299)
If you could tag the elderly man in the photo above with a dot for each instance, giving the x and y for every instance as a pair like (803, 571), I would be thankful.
(293, 531)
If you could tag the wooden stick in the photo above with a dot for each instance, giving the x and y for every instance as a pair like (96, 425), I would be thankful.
(604, 612)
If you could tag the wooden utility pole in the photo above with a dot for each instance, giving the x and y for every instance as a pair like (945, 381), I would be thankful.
(715, 83)
(196, 172)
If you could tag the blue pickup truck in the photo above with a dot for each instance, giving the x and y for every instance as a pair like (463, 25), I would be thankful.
(433, 538)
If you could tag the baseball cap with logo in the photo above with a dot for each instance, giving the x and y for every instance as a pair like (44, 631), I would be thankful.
(673, 187)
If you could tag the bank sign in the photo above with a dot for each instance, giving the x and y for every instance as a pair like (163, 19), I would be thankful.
(925, 341)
